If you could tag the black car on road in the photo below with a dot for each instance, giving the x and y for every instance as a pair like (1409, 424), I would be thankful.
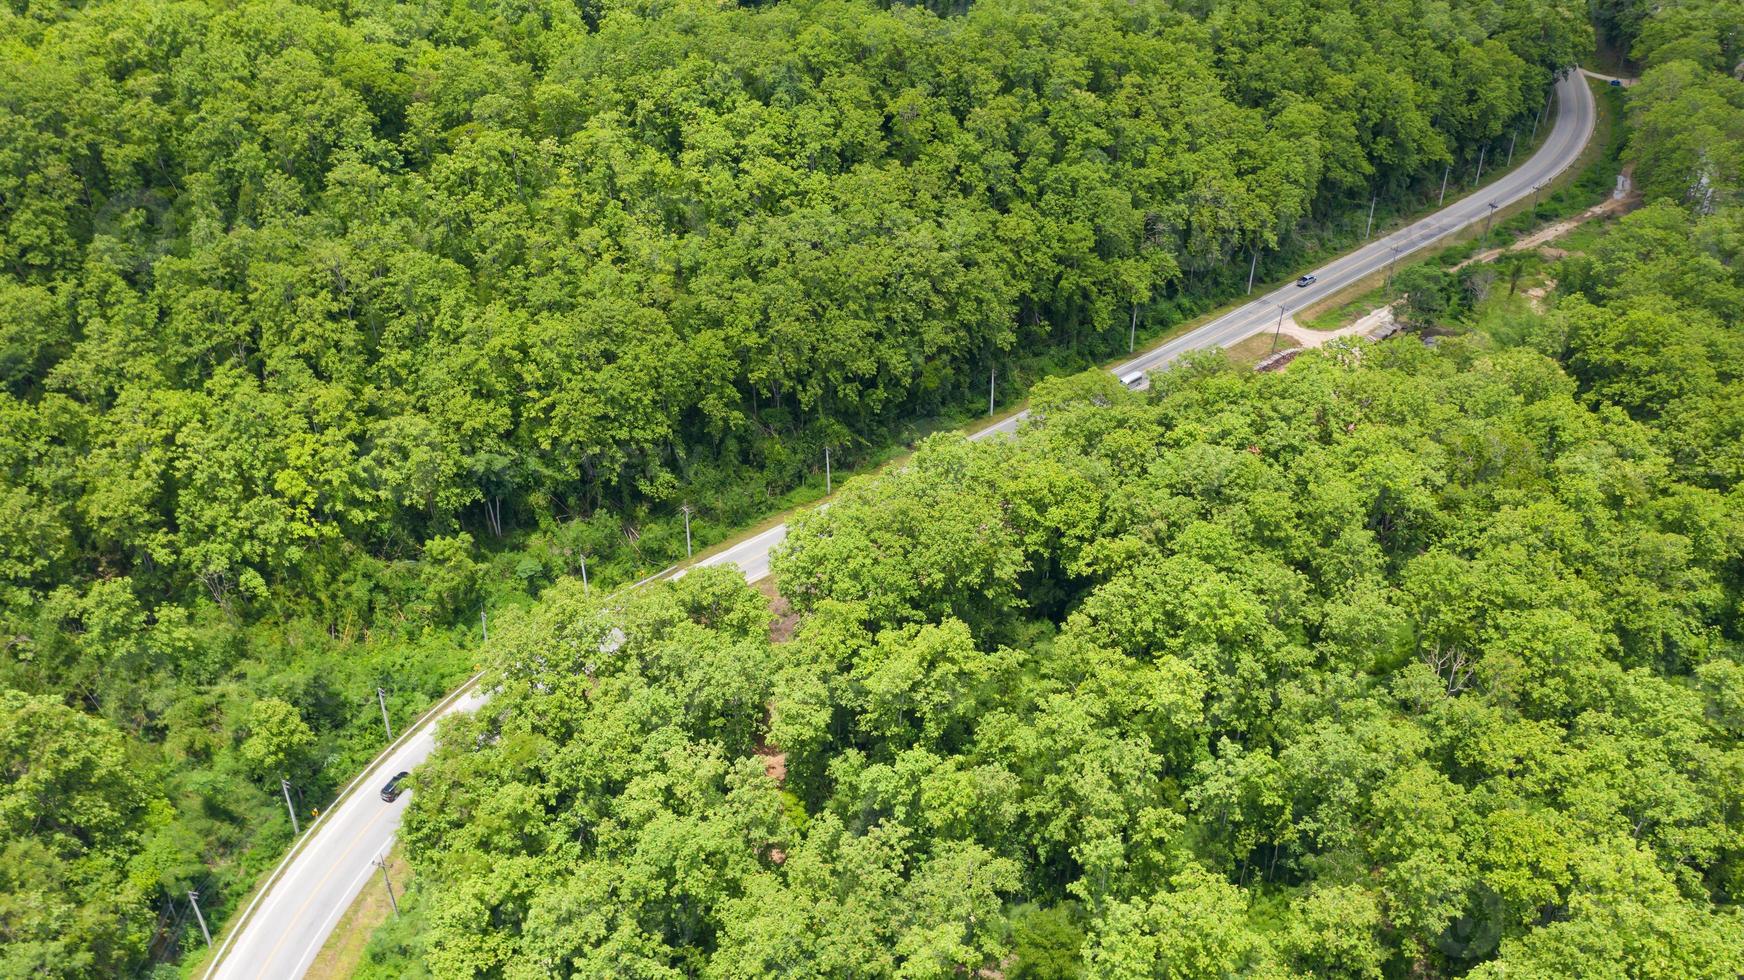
(393, 789)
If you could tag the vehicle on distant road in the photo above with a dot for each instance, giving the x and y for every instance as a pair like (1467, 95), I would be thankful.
(393, 789)
(1307, 281)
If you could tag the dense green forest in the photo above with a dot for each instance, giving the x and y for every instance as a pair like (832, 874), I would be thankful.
(326, 325)
(1409, 660)
(1401, 662)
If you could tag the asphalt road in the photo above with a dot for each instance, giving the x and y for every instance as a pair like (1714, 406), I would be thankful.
(315, 886)
(283, 930)
(1574, 126)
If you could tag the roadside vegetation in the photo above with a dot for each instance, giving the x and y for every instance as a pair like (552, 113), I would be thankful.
(1589, 184)
(1405, 661)
(1410, 660)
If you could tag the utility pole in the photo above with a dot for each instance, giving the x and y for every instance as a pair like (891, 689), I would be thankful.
(1540, 117)
(992, 376)
(381, 698)
(1535, 189)
(1481, 154)
(383, 865)
(1444, 175)
(1251, 266)
(829, 487)
(1515, 138)
(1279, 328)
(1371, 224)
(194, 900)
(584, 574)
(285, 785)
(686, 510)
(1390, 265)
(1487, 218)
(969, 889)
(484, 625)
(1132, 331)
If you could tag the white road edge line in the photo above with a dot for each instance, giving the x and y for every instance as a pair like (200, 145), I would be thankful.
(236, 924)
(355, 887)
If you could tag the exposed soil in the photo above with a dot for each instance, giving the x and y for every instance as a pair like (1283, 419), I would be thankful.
(775, 767)
(774, 762)
(1380, 320)
(774, 759)
(1280, 360)
(1371, 323)
(1536, 294)
(786, 620)
(1625, 199)
(780, 631)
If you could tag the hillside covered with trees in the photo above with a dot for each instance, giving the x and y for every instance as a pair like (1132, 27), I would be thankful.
(324, 324)
(1406, 661)
(1401, 662)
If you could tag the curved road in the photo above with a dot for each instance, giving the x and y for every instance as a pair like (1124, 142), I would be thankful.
(283, 929)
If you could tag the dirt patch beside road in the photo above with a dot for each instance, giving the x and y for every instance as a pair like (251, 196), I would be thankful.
(1625, 199)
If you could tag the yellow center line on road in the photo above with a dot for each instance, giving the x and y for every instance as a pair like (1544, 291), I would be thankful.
(340, 909)
(266, 961)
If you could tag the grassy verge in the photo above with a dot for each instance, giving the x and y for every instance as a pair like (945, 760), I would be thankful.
(1344, 312)
(1257, 348)
(196, 964)
(344, 952)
